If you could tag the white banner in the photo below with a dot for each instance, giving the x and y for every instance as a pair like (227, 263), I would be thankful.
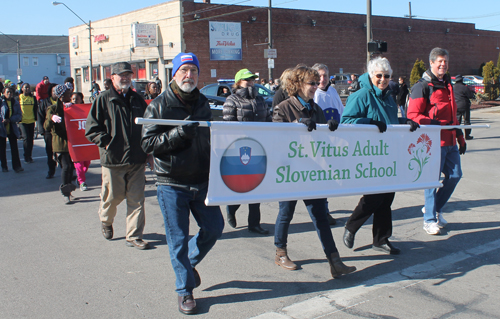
(225, 40)
(264, 162)
(144, 34)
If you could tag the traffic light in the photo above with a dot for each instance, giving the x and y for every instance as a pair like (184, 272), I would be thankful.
(377, 46)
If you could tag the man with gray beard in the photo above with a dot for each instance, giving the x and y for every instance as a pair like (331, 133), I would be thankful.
(182, 162)
(110, 125)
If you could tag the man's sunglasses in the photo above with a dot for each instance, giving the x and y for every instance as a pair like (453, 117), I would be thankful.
(380, 75)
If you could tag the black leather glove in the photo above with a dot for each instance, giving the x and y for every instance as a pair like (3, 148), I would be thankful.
(462, 149)
(382, 127)
(332, 125)
(189, 131)
(413, 125)
(311, 125)
(435, 122)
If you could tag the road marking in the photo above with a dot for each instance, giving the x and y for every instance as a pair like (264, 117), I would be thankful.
(338, 300)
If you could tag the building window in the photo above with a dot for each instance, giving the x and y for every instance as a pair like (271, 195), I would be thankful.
(63, 61)
(96, 73)
(107, 72)
(85, 74)
(26, 61)
(134, 69)
(153, 70)
(141, 72)
(35, 61)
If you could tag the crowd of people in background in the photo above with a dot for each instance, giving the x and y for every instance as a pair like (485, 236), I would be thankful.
(302, 94)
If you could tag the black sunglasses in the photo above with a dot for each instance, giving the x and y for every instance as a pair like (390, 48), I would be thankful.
(386, 76)
(313, 83)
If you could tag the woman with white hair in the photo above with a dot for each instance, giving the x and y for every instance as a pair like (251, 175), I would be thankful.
(373, 104)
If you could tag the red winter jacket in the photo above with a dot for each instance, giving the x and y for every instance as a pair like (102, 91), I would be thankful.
(42, 90)
(432, 99)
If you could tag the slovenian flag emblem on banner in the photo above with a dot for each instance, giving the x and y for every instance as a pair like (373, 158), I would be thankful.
(243, 165)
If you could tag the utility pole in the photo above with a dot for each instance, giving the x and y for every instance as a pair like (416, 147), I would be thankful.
(410, 15)
(270, 33)
(19, 71)
(368, 28)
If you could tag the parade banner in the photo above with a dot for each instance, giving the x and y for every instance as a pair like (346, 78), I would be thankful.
(80, 149)
(264, 162)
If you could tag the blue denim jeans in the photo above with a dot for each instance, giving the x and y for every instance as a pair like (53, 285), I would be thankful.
(317, 211)
(436, 198)
(185, 254)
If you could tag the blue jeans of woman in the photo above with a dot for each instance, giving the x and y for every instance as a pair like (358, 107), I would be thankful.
(175, 203)
(436, 198)
(317, 211)
(14, 152)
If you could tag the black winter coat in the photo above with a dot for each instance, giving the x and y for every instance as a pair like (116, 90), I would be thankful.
(178, 161)
(462, 96)
(111, 126)
(403, 93)
(241, 106)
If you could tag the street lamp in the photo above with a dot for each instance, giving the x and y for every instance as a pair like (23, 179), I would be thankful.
(55, 3)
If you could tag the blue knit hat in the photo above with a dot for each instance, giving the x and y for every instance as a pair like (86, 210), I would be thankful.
(184, 58)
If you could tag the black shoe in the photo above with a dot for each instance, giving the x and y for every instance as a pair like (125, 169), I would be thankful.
(348, 239)
(331, 220)
(19, 169)
(137, 243)
(5, 170)
(258, 230)
(469, 137)
(107, 231)
(387, 248)
(187, 305)
(231, 220)
(197, 278)
(49, 175)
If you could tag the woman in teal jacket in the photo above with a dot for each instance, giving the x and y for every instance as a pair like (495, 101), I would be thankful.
(373, 104)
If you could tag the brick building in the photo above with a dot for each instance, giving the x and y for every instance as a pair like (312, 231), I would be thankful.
(300, 36)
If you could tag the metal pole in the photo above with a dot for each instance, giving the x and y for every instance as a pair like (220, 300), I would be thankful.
(270, 33)
(90, 54)
(18, 61)
(368, 27)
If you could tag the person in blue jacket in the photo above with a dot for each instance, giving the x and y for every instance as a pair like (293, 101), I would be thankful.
(373, 104)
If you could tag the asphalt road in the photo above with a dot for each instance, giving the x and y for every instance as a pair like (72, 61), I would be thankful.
(55, 263)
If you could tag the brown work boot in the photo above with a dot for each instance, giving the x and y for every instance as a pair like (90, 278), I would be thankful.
(337, 267)
(282, 259)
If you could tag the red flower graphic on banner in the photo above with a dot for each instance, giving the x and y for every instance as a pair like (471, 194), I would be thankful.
(421, 154)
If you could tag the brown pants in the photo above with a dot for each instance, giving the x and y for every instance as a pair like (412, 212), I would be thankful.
(119, 183)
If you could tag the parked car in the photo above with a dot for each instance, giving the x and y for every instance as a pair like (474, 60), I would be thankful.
(342, 83)
(140, 87)
(475, 78)
(215, 95)
(473, 86)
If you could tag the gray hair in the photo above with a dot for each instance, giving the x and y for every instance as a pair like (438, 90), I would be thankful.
(379, 64)
(321, 66)
(438, 52)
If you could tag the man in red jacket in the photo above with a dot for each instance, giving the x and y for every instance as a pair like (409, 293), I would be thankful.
(42, 89)
(432, 103)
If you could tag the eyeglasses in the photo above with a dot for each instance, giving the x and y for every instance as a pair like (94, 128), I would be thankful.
(313, 83)
(380, 75)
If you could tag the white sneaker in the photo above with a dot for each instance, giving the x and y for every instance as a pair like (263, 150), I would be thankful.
(441, 222)
(83, 187)
(432, 228)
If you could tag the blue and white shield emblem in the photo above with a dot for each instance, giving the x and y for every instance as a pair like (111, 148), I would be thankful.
(245, 154)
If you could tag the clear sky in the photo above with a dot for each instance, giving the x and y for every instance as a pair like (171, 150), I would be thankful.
(40, 17)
